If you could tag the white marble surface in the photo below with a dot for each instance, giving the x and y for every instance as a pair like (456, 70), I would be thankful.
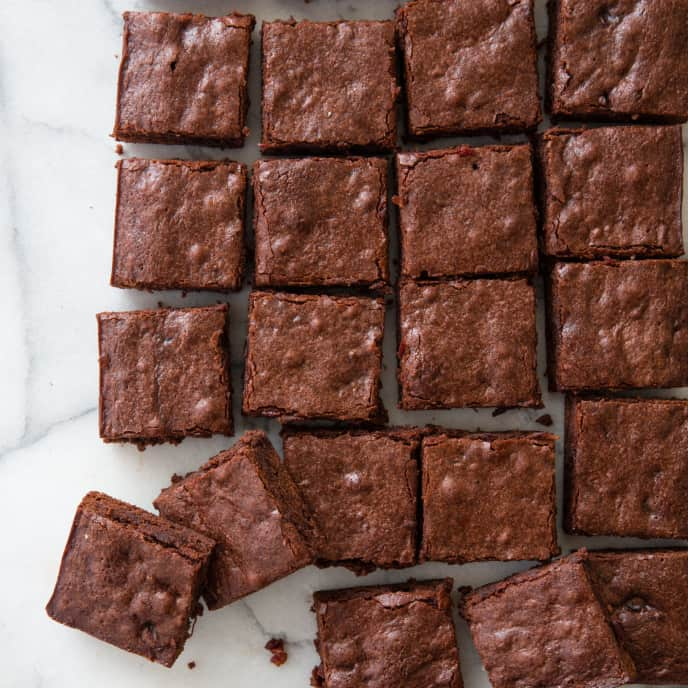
(58, 65)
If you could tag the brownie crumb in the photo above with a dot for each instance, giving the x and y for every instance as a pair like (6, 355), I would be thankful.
(545, 420)
(317, 680)
(276, 647)
(499, 411)
(119, 149)
(191, 665)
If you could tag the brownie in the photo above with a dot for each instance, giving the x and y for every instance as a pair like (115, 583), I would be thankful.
(329, 86)
(164, 375)
(622, 60)
(645, 593)
(488, 497)
(314, 357)
(612, 191)
(469, 67)
(546, 627)
(627, 467)
(387, 636)
(467, 211)
(618, 325)
(467, 343)
(130, 578)
(183, 79)
(245, 500)
(361, 487)
(321, 222)
(179, 225)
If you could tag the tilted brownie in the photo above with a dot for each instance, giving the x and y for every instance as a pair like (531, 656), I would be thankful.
(329, 86)
(361, 487)
(321, 222)
(244, 499)
(164, 375)
(130, 578)
(467, 211)
(314, 357)
(612, 191)
(546, 627)
(645, 593)
(179, 225)
(617, 325)
(488, 496)
(183, 79)
(387, 636)
(627, 467)
(469, 67)
(467, 343)
(623, 60)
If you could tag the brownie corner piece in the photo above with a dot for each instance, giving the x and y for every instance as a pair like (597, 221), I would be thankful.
(183, 79)
(245, 500)
(328, 86)
(130, 578)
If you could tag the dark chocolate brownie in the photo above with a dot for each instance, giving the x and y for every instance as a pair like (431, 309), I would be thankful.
(182, 79)
(645, 593)
(621, 60)
(627, 467)
(387, 636)
(329, 86)
(467, 343)
(245, 500)
(546, 627)
(179, 225)
(321, 222)
(612, 191)
(618, 325)
(361, 487)
(164, 375)
(469, 67)
(467, 211)
(130, 578)
(488, 497)
(314, 357)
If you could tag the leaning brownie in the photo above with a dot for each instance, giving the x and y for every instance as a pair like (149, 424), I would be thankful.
(183, 79)
(179, 225)
(387, 636)
(546, 627)
(130, 578)
(627, 467)
(164, 375)
(469, 67)
(618, 325)
(612, 191)
(623, 60)
(245, 500)
(329, 86)
(646, 593)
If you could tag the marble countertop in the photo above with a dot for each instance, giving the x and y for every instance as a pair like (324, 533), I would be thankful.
(58, 68)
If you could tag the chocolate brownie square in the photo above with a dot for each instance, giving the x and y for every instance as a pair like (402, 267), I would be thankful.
(622, 60)
(612, 191)
(314, 357)
(179, 225)
(467, 343)
(645, 593)
(546, 627)
(387, 636)
(244, 499)
(183, 79)
(321, 222)
(164, 375)
(130, 578)
(618, 325)
(469, 67)
(329, 86)
(488, 497)
(467, 211)
(627, 467)
(361, 487)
